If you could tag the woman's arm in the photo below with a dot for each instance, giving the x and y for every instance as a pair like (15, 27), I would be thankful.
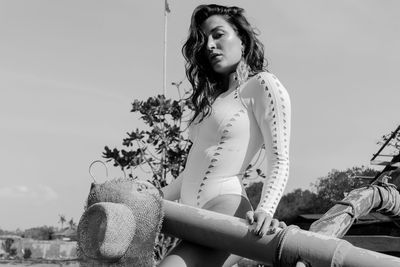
(173, 190)
(272, 110)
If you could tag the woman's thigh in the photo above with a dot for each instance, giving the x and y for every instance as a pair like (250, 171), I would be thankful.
(234, 205)
(187, 254)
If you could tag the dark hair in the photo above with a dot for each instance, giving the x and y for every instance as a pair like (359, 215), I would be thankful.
(205, 82)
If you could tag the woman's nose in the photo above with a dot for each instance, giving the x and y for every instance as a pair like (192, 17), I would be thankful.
(211, 44)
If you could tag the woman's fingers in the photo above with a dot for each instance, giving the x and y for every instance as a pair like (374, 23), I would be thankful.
(250, 216)
(274, 226)
(259, 219)
(263, 222)
(274, 223)
(265, 226)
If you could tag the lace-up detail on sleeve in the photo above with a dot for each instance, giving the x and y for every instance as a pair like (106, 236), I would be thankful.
(272, 110)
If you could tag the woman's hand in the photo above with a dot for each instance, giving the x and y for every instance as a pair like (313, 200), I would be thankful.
(265, 224)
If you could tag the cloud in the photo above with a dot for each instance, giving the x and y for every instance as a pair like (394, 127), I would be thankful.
(38, 192)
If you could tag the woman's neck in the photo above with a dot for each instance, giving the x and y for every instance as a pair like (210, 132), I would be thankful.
(230, 81)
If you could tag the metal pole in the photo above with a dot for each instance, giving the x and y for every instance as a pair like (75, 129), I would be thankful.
(166, 10)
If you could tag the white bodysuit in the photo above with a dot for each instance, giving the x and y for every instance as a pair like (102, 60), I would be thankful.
(224, 143)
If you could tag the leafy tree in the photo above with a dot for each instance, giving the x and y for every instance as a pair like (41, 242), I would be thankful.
(27, 253)
(7, 246)
(6, 232)
(254, 193)
(326, 191)
(295, 203)
(337, 184)
(159, 149)
(39, 233)
(71, 223)
(332, 187)
(291, 204)
(62, 220)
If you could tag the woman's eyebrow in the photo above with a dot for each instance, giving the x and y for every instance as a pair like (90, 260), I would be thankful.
(216, 28)
(213, 29)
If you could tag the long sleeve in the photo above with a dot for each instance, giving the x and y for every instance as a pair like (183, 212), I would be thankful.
(272, 110)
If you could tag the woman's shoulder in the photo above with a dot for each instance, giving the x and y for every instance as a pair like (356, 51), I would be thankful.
(259, 81)
(261, 85)
(263, 77)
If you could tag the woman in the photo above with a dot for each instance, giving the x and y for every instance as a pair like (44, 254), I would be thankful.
(238, 107)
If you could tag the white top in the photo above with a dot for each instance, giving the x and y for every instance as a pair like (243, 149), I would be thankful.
(242, 120)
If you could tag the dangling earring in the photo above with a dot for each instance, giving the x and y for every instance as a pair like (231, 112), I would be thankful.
(242, 70)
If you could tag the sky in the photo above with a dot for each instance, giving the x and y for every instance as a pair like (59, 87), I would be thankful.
(69, 71)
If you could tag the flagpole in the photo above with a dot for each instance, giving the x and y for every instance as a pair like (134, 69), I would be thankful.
(166, 10)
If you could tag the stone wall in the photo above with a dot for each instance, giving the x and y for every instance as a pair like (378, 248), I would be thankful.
(44, 249)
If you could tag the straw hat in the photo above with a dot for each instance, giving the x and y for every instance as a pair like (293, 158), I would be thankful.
(98, 228)
(120, 224)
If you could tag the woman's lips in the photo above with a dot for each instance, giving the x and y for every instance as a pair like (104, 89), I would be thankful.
(215, 57)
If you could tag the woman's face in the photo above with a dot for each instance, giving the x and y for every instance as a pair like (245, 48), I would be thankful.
(224, 47)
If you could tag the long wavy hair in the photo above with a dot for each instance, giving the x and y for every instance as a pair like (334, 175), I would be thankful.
(207, 84)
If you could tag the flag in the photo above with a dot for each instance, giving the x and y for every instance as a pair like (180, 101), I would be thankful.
(167, 7)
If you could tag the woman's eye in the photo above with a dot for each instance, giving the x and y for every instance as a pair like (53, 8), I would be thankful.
(218, 35)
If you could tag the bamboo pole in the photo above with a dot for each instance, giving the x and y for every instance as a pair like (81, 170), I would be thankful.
(283, 248)
(359, 202)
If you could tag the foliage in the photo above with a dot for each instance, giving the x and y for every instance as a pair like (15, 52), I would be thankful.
(394, 143)
(5, 232)
(295, 203)
(40, 233)
(7, 246)
(337, 184)
(161, 147)
(327, 190)
(62, 220)
(164, 244)
(291, 204)
(71, 223)
(254, 193)
(27, 253)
